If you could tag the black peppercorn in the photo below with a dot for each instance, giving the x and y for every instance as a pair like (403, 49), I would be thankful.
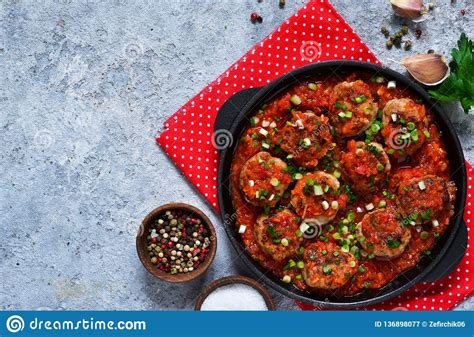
(407, 45)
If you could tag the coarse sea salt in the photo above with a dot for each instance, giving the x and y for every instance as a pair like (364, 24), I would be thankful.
(236, 296)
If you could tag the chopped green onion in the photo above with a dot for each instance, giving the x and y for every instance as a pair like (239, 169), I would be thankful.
(360, 99)
(325, 205)
(355, 250)
(352, 264)
(348, 114)
(392, 243)
(285, 242)
(367, 110)
(323, 239)
(334, 204)
(405, 136)
(299, 277)
(361, 269)
(300, 264)
(424, 235)
(318, 190)
(341, 115)
(411, 126)
(421, 185)
(426, 214)
(327, 270)
(391, 85)
(312, 86)
(382, 203)
(337, 174)
(427, 134)
(350, 216)
(380, 167)
(303, 227)
(298, 176)
(295, 99)
(377, 79)
(375, 128)
(345, 248)
(274, 182)
(286, 279)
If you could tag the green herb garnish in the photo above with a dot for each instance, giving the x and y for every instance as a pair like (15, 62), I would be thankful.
(459, 86)
(392, 243)
(272, 232)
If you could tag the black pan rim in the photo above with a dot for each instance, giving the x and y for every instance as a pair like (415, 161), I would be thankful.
(284, 82)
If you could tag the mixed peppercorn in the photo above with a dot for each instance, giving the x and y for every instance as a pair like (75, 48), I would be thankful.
(397, 38)
(178, 242)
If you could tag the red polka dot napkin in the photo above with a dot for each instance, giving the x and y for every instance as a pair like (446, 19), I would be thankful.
(315, 33)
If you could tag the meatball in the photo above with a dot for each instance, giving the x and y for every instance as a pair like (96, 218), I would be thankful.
(426, 198)
(326, 266)
(263, 180)
(276, 234)
(307, 138)
(384, 235)
(315, 196)
(405, 125)
(351, 108)
(365, 166)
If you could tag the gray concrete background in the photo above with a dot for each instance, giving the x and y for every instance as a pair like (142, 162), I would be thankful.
(85, 87)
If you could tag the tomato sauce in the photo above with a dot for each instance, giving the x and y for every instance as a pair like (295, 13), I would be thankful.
(315, 96)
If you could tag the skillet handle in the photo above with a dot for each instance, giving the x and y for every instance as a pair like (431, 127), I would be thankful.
(453, 256)
(230, 110)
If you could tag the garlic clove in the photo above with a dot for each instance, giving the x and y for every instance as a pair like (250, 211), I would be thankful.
(428, 69)
(411, 9)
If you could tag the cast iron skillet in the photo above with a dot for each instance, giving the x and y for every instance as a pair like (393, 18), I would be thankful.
(448, 252)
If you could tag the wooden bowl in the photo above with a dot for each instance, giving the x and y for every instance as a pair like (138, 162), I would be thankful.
(143, 254)
(231, 280)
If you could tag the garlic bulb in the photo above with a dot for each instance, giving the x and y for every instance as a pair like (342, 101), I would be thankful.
(410, 9)
(429, 69)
